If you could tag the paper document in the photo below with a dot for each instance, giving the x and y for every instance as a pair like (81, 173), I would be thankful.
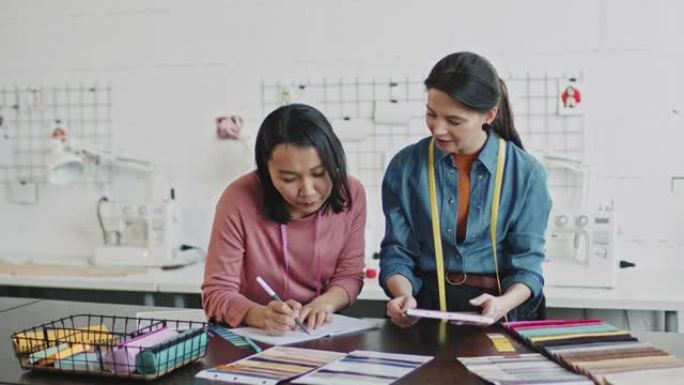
(469, 318)
(339, 325)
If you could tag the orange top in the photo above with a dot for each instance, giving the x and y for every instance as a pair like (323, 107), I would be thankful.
(464, 163)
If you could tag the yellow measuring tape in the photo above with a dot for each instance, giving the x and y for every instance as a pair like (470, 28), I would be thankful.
(436, 233)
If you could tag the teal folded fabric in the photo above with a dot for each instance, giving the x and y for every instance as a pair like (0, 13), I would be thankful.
(567, 330)
(172, 352)
(85, 362)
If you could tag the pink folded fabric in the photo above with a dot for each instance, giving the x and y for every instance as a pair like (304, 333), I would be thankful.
(558, 325)
(121, 359)
(525, 324)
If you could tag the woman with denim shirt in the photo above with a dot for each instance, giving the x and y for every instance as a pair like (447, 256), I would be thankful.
(468, 114)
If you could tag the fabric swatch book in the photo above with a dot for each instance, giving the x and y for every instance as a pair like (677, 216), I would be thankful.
(339, 325)
(271, 366)
(601, 351)
(531, 368)
(364, 368)
(457, 317)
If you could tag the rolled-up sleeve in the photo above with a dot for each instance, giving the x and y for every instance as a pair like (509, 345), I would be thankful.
(399, 250)
(221, 298)
(526, 236)
(348, 274)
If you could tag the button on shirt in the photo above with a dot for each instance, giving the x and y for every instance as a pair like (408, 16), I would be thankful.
(408, 248)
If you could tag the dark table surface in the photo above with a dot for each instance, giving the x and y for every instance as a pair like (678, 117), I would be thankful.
(443, 341)
(10, 303)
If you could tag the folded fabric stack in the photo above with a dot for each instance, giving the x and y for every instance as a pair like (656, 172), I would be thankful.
(517, 369)
(601, 351)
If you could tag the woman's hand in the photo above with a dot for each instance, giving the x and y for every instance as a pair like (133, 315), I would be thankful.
(396, 310)
(492, 306)
(276, 318)
(317, 312)
(497, 307)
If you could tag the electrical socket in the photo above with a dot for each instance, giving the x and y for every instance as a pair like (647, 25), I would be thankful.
(22, 192)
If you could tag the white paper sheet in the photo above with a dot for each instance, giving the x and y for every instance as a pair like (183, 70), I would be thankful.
(339, 325)
(464, 317)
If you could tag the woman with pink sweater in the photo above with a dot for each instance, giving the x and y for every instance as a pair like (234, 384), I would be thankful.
(298, 222)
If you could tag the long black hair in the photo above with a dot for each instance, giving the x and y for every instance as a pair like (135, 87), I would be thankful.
(301, 125)
(472, 80)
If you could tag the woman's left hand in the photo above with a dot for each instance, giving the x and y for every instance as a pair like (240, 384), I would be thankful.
(492, 306)
(316, 313)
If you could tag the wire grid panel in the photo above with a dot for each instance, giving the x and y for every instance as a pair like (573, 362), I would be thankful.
(343, 98)
(30, 114)
(353, 101)
(350, 104)
(534, 100)
(535, 104)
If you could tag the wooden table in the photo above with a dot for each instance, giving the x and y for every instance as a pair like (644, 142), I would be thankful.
(10, 303)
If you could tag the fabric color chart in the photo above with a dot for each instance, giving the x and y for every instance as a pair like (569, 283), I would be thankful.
(501, 343)
(363, 367)
(531, 368)
(271, 366)
(601, 351)
(233, 338)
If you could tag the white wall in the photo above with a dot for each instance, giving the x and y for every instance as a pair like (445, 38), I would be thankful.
(175, 65)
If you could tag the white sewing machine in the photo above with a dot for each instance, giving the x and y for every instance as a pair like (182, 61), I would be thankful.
(580, 250)
(141, 234)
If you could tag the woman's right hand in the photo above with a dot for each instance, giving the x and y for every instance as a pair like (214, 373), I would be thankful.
(396, 310)
(275, 318)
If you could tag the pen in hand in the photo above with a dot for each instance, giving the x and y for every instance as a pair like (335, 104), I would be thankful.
(275, 297)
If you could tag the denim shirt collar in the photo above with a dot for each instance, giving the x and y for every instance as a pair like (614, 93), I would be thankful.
(487, 155)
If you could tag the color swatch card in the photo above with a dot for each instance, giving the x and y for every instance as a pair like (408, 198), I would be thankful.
(516, 369)
(236, 340)
(271, 366)
(458, 317)
(501, 343)
(364, 368)
(339, 325)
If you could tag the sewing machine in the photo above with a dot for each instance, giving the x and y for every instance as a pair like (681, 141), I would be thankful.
(140, 234)
(580, 250)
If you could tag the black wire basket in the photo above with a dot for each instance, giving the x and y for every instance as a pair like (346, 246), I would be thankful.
(101, 345)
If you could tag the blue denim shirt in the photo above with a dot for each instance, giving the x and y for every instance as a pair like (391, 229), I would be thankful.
(408, 248)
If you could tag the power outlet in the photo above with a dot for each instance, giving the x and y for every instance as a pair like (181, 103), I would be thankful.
(677, 185)
(22, 192)
(6, 153)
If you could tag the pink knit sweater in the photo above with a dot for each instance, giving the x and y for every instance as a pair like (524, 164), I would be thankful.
(245, 244)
